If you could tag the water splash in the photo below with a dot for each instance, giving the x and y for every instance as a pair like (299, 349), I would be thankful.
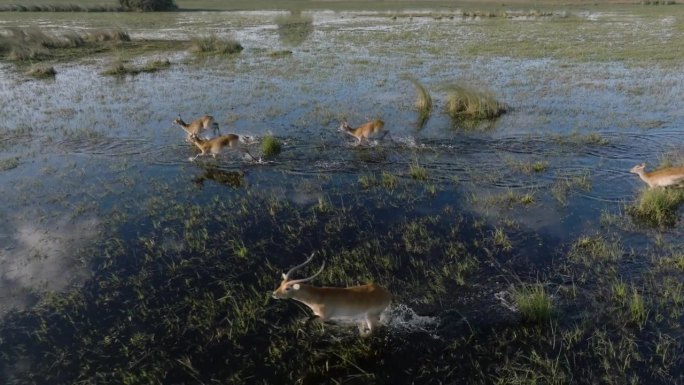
(400, 318)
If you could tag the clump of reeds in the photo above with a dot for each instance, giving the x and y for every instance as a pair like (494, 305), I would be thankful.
(115, 35)
(657, 207)
(155, 65)
(466, 103)
(117, 68)
(214, 45)
(423, 103)
(42, 72)
(270, 146)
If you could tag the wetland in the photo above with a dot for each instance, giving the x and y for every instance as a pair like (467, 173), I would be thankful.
(519, 248)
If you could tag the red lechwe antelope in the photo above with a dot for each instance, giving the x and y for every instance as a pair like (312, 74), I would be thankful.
(666, 177)
(365, 302)
(214, 146)
(368, 130)
(196, 126)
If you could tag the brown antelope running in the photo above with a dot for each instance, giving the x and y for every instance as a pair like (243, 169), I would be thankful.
(666, 177)
(364, 302)
(214, 146)
(368, 130)
(198, 125)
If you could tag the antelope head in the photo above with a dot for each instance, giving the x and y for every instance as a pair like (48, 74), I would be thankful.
(638, 169)
(288, 288)
(179, 121)
(344, 126)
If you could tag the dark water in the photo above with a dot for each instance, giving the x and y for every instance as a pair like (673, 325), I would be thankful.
(94, 150)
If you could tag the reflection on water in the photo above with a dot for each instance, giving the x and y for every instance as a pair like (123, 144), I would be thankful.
(294, 28)
(44, 256)
(235, 179)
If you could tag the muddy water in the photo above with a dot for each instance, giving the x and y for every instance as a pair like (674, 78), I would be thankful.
(89, 145)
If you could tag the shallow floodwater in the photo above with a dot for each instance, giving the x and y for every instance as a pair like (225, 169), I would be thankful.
(91, 148)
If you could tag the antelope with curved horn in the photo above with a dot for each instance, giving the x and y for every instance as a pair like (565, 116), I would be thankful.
(364, 302)
(214, 146)
(666, 177)
(368, 130)
(196, 126)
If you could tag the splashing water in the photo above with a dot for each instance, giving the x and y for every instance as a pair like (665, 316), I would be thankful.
(402, 319)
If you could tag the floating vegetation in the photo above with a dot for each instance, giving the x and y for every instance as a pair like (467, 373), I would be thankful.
(657, 207)
(213, 45)
(466, 103)
(416, 171)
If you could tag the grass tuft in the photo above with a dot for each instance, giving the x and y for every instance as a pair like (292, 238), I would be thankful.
(465, 103)
(42, 72)
(533, 302)
(423, 103)
(417, 171)
(270, 146)
(213, 45)
(657, 207)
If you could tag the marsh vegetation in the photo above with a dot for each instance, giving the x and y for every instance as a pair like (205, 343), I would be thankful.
(521, 253)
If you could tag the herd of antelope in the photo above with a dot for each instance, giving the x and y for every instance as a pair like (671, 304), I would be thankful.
(365, 302)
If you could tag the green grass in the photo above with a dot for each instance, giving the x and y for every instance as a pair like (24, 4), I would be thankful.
(295, 28)
(270, 146)
(533, 302)
(657, 207)
(467, 103)
(119, 67)
(417, 172)
(590, 249)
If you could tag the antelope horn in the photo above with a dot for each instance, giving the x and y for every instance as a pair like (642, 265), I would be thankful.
(287, 275)
(309, 278)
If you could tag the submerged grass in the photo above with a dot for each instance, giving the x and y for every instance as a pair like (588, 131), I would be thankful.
(657, 207)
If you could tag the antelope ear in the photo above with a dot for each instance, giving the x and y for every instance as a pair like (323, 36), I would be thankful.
(296, 286)
(284, 276)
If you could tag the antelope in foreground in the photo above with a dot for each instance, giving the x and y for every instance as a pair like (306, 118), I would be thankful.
(368, 130)
(666, 177)
(364, 302)
(214, 146)
(196, 126)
